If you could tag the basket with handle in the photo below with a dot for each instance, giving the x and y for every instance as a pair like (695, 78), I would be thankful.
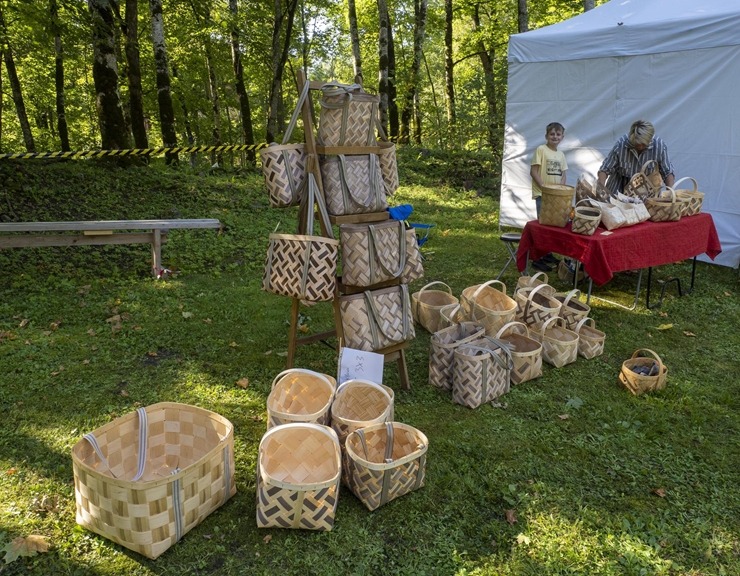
(644, 185)
(376, 319)
(535, 280)
(442, 350)
(487, 305)
(383, 462)
(526, 352)
(571, 309)
(480, 372)
(559, 345)
(303, 266)
(284, 166)
(643, 372)
(147, 478)
(692, 197)
(586, 218)
(348, 115)
(298, 473)
(664, 208)
(299, 395)
(451, 314)
(427, 304)
(535, 305)
(557, 201)
(590, 339)
(651, 170)
(359, 403)
(353, 184)
(374, 253)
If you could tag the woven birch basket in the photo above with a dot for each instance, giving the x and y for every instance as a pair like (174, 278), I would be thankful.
(298, 475)
(299, 395)
(534, 281)
(442, 350)
(480, 372)
(348, 115)
(376, 319)
(692, 197)
(383, 462)
(572, 310)
(643, 358)
(488, 306)
(146, 479)
(664, 209)
(427, 304)
(353, 184)
(586, 218)
(536, 305)
(590, 340)
(557, 201)
(526, 352)
(451, 314)
(559, 345)
(388, 166)
(359, 403)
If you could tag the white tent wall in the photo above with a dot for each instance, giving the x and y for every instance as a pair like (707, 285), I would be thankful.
(654, 72)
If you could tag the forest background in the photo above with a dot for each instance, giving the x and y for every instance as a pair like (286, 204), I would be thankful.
(120, 74)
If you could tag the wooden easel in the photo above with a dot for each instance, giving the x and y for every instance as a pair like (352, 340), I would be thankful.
(392, 353)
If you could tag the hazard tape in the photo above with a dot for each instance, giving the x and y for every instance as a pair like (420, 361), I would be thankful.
(132, 152)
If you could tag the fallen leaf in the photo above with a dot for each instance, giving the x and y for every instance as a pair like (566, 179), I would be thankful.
(45, 503)
(207, 321)
(564, 416)
(268, 352)
(511, 516)
(11, 471)
(243, 382)
(267, 539)
(282, 353)
(303, 328)
(151, 354)
(187, 314)
(233, 344)
(660, 492)
(28, 546)
(91, 332)
(728, 293)
(664, 327)
(124, 393)
(55, 325)
(688, 333)
(24, 323)
(663, 314)
(115, 319)
(522, 539)
(86, 361)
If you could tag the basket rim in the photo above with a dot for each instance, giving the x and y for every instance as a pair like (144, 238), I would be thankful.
(420, 451)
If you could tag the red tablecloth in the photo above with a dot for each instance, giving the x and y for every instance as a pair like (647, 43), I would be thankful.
(640, 246)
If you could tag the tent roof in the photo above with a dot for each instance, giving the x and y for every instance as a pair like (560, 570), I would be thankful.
(632, 27)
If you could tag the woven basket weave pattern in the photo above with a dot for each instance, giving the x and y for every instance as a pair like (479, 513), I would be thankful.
(365, 330)
(638, 383)
(442, 351)
(427, 305)
(299, 396)
(590, 340)
(487, 305)
(557, 200)
(476, 377)
(388, 166)
(559, 345)
(141, 515)
(347, 120)
(353, 185)
(536, 305)
(526, 353)
(284, 169)
(360, 403)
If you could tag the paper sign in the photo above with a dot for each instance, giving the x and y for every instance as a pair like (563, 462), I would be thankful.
(360, 364)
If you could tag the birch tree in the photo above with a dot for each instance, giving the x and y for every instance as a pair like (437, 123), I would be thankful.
(411, 103)
(354, 35)
(245, 113)
(59, 76)
(164, 94)
(133, 71)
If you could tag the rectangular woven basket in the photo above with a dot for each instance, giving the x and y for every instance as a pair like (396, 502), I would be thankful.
(353, 184)
(480, 373)
(348, 115)
(557, 200)
(147, 499)
(442, 350)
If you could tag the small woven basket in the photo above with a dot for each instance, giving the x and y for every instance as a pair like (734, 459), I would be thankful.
(534, 281)
(488, 306)
(298, 476)
(451, 314)
(359, 403)
(559, 345)
(586, 218)
(526, 353)
(557, 201)
(692, 197)
(442, 350)
(348, 115)
(147, 478)
(299, 395)
(590, 340)
(572, 310)
(427, 304)
(664, 209)
(641, 383)
(480, 372)
(536, 305)
(384, 461)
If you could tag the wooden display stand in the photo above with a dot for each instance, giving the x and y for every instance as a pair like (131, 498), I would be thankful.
(393, 353)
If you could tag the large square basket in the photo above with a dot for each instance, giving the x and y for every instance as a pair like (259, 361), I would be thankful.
(147, 478)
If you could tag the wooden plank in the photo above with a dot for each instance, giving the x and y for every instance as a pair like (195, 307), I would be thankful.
(347, 150)
(360, 218)
(88, 225)
(23, 241)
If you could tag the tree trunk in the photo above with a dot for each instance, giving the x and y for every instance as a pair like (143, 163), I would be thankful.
(486, 59)
(392, 84)
(449, 73)
(215, 103)
(59, 76)
(354, 35)
(523, 16)
(241, 91)
(383, 87)
(15, 85)
(2, 93)
(113, 132)
(164, 94)
(135, 91)
(412, 98)
(588, 5)
(280, 47)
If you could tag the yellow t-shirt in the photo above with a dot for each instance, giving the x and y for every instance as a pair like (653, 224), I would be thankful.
(552, 165)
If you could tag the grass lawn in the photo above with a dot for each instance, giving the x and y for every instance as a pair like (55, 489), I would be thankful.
(566, 474)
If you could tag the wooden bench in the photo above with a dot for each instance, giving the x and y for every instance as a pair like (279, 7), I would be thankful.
(98, 232)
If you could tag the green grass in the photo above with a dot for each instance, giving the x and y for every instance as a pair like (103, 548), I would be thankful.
(600, 482)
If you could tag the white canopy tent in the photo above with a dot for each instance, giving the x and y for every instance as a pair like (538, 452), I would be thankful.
(675, 63)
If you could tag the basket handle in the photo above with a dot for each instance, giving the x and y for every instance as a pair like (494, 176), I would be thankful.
(300, 371)
(546, 324)
(673, 194)
(433, 283)
(390, 437)
(575, 292)
(372, 244)
(696, 186)
(531, 292)
(636, 353)
(374, 316)
(505, 347)
(143, 428)
(510, 325)
(296, 112)
(373, 168)
(478, 290)
(644, 167)
(583, 321)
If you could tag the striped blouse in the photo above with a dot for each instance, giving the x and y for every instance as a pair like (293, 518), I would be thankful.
(624, 161)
